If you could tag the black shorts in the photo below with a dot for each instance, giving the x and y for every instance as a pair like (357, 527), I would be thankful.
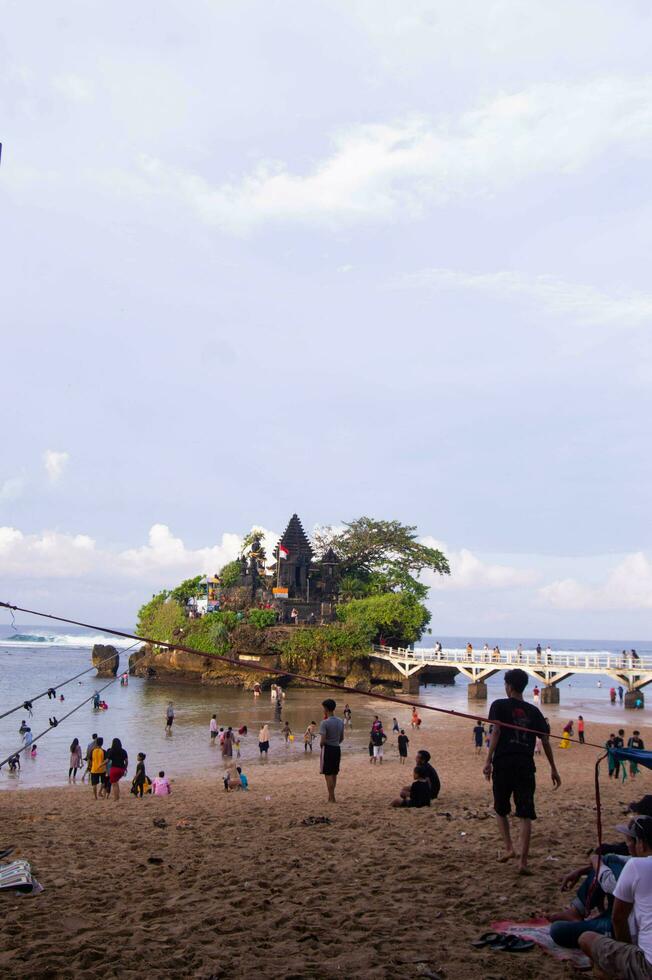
(169, 722)
(330, 760)
(515, 777)
(97, 778)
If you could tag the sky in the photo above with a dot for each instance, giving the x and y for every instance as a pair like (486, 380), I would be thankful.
(343, 258)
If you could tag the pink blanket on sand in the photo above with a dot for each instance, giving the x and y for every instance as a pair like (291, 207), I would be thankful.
(538, 930)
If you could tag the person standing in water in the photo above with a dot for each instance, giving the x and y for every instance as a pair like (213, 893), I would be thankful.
(263, 740)
(510, 762)
(169, 718)
(309, 736)
(331, 733)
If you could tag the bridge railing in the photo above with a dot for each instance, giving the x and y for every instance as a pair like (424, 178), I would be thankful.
(514, 658)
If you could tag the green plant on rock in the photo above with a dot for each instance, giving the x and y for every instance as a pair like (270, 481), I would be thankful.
(262, 618)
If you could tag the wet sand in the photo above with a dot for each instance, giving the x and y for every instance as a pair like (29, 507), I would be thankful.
(247, 891)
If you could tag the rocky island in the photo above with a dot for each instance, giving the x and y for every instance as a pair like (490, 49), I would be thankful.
(317, 609)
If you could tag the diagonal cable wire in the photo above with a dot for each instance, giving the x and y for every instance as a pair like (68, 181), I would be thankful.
(27, 704)
(286, 673)
(60, 720)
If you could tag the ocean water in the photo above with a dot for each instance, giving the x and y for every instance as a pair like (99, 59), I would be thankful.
(33, 658)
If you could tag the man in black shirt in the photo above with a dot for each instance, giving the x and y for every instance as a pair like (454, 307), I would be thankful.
(510, 761)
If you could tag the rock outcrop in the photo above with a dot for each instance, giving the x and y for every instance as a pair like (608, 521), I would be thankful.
(106, 653)
(257, 650)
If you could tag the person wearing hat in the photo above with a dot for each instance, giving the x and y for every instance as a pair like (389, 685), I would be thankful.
(628, 956)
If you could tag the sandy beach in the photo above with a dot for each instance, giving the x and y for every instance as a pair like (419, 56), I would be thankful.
(248, 891)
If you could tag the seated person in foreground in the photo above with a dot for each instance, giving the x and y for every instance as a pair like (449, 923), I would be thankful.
(590, 910)
(419, 790)
(234, 779)
(628, 956)
(423, 760)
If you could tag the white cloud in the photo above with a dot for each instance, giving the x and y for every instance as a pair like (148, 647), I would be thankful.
(387, 171)
(55, 463)
(628, 586)
(10, 489)
(163, 561)
(73, 87)
(470, 572)
(580, 302)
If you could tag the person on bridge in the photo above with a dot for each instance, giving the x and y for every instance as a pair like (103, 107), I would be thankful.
(510, 762)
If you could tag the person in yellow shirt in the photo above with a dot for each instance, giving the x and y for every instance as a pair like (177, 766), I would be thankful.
(98, 768)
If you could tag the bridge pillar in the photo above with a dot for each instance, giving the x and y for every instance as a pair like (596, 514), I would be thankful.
(411, 684)
(477, 691)
(634, 699)
(550, 694)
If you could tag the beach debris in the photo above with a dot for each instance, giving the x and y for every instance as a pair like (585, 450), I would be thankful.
(424, 970)
(154, 860)
(160, 822)
(17, 876)
(311, 821)
(184, 824)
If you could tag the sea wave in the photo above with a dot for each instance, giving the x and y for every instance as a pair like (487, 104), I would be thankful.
(63, 640)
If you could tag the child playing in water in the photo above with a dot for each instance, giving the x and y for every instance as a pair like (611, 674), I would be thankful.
(32, 751)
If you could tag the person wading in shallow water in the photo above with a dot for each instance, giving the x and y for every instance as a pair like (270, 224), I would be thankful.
(510, 762)
(331, 733)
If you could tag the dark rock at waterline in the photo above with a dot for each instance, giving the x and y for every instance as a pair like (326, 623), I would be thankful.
(111, 657)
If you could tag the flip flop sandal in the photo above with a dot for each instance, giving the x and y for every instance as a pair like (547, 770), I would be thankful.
(487, 939)
(514, 944)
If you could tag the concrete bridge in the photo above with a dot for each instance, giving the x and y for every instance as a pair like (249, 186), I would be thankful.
(548, 669)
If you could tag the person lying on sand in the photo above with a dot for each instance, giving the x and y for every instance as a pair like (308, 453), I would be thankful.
(419, 791)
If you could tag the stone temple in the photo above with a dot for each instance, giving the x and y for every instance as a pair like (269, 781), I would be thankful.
(295, 582)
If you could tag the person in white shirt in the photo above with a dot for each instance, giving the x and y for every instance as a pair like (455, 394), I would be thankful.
(213, 729)
(628, 956)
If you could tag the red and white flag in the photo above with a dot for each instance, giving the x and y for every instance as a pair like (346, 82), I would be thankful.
(283, 551)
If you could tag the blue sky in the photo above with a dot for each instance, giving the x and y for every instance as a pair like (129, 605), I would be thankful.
(341, 258)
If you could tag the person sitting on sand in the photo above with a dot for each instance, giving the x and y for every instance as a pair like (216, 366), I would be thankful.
(423, 762)
(419, 794)
(510, 761)
(628, 956)
(590, 909)
(161, 785)
(235, 779)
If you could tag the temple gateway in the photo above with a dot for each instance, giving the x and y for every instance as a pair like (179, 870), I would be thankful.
(295, 583)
